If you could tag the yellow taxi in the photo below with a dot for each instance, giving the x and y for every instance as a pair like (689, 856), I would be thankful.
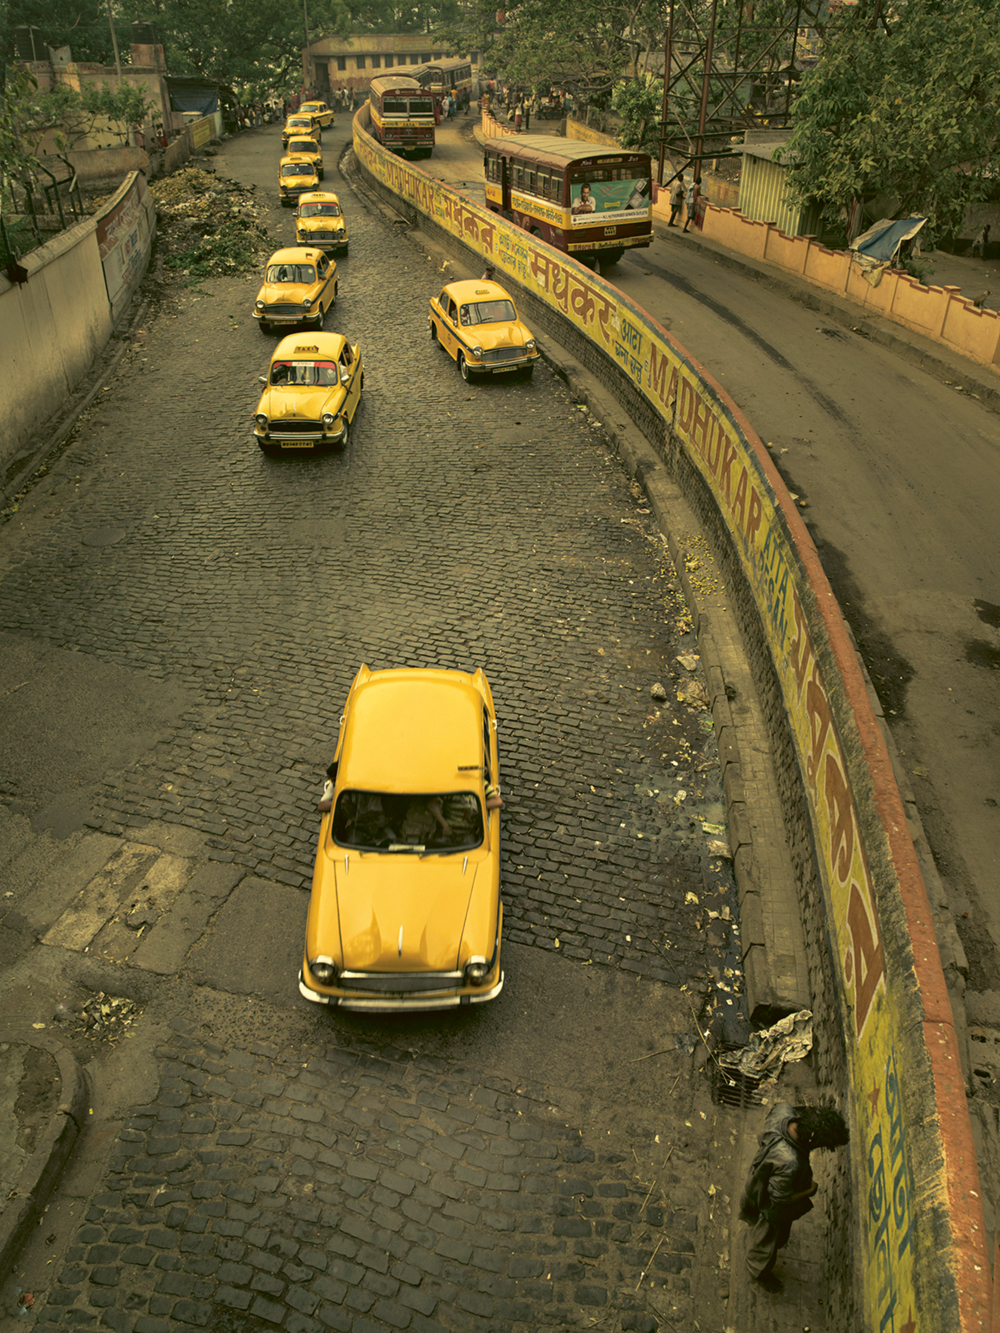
(306, 146)
(296, 175)
(319, 221)
(405, 911)
(300, 286)
(297, 123)
(313, 390)
(320, 112)
(476, 322)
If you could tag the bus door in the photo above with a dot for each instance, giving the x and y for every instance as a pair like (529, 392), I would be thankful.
(505, 207)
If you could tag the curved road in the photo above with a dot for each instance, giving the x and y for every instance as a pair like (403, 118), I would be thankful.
(899, 479)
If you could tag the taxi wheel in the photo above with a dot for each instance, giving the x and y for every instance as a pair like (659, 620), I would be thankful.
(318, 322)
(434, 333)
(463, 366)
(528, 372)
(264, 328)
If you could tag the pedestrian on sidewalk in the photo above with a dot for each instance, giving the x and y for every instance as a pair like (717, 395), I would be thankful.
(981, 242)
(517, 119)
(677, 192)
(691, 202)
(780, 1185)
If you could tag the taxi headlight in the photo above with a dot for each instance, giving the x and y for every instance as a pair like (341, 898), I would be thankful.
(477, 351)
(261, 420)
(328, 420)
(476, 971)
(324, 970)
(530, 345)
(259, 305)
(307, 302)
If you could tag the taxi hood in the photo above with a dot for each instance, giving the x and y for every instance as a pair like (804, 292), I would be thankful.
(302, 401)
(404, 912)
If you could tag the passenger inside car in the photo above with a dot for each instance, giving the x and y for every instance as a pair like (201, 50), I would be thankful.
(373, 821)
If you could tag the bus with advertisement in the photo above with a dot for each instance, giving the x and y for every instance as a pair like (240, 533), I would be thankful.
(402, 115)
(445, 76)
(593, 202)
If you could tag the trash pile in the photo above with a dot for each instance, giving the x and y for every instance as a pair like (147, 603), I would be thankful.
(208, 225)
(101, 1018)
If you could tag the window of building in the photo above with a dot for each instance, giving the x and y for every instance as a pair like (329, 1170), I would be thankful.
(376, 62)
(415, 60)
(342, 62)
(388, 62)
(360, 62)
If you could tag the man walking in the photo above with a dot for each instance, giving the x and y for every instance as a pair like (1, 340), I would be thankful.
(981, 242)
(780, 1185)
(677, 192)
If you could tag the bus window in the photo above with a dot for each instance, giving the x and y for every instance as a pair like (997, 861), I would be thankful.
(529, 179)
(542, 182)
(517, 175)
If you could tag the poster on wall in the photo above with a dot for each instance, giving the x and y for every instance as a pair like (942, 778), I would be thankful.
(609, 201)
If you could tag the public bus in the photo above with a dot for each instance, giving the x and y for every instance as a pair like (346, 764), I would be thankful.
(402, 115)
(595, 203)
(444, 76)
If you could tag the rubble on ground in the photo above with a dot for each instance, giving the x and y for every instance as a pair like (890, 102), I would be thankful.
(209, 225)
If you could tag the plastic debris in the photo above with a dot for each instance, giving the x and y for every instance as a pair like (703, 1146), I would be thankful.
(791, 1038)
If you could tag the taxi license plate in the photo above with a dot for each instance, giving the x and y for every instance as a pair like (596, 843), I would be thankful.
(504, 370)
(295, 444)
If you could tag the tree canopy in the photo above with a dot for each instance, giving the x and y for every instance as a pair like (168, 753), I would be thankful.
(902, 116)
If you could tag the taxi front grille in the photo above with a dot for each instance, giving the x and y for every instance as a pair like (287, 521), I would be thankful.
(496, 354)
(399, 983)
(296, 426)
(283, 310)
(320, 235)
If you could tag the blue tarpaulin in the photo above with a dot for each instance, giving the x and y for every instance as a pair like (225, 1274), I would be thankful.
(881, 242)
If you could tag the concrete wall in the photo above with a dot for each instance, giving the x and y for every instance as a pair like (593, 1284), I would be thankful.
(941, 313)
(907, 1247)
(55, 325)
(194, 136)
(93, 166)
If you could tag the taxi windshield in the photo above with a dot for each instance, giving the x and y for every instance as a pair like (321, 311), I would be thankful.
(419, 822)
(303, 146)
(298, 169)
(291, 273)
(488, 312)
(309, 373)
(319, 210)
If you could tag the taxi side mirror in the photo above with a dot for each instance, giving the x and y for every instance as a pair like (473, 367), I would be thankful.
(262, 379)
(345, 374)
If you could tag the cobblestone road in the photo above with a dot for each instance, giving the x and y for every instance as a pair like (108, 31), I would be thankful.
(402, 1178)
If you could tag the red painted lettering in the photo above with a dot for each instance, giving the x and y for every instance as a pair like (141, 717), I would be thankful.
(800, 649)
(753, 516)
(865, 963)
(656, 379)
(840, 812)
(686, 406)
(701, 424)
(740, 498)
(725, 471)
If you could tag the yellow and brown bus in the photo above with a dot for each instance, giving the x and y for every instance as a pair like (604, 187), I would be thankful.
(595, 203)
(402, 115)
(445, 76)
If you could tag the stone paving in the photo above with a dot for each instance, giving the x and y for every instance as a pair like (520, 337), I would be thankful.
(465, 525)
(365, 1191)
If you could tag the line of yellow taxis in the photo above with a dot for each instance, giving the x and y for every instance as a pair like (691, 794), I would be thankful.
(405, 911)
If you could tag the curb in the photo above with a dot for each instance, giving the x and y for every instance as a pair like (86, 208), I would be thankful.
(26, 1202)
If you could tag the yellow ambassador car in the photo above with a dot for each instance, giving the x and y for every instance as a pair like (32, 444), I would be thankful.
(320, 221)
(307, 147)
(300, 124)
(296, 175)
(405, 911)
(300, 286)
(313, 391)
(477, 325)
(320, 112)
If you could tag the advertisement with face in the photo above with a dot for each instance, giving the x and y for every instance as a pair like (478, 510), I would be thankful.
(609, 201)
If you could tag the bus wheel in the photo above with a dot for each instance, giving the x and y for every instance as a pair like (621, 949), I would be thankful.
(611, 257)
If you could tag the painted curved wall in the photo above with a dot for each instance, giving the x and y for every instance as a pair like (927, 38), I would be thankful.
(920, 1259)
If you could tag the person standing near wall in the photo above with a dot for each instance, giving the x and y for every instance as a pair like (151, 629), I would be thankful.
(691, 202)
(677, 192)
(780, 1186)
